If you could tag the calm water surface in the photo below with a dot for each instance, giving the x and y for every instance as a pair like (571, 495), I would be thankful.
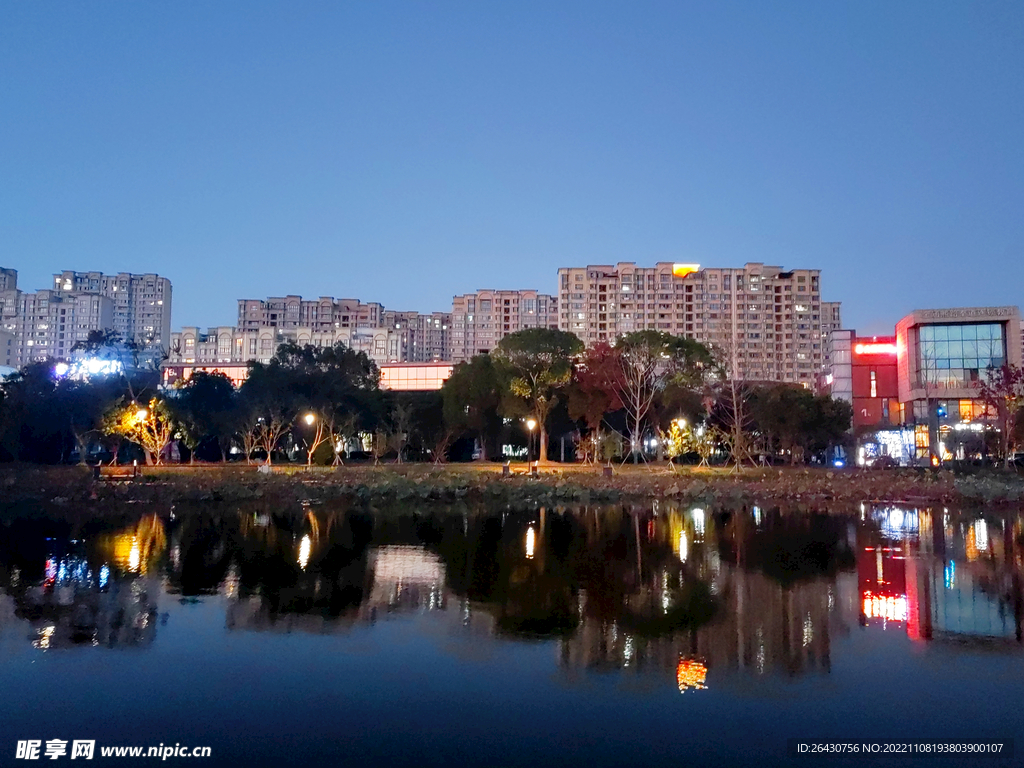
(651, 635)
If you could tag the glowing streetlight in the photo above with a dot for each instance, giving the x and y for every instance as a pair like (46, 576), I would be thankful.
(310, 418)
(141, 414)
(531, 424)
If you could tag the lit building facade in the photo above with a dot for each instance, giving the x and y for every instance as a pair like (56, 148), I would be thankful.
(942, 357)
(414, 377)
(48, 324)
(399, 377)
(769, 323)
(141, 302)
(481, 319)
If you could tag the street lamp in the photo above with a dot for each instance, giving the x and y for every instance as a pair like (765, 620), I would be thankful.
(310, 419)
(531, 424)
(141, 414)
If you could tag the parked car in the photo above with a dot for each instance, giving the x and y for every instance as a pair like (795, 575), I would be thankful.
(884, 462)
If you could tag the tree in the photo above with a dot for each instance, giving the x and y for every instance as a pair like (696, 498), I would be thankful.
(470, 399)
(268, 407)
(151, 427)
(205, 409)
(35, 429)
(539, 364)
(794, 420)
(84, 403)
(595, 390)
(317, 431)
(650, 361)
(1003, 390)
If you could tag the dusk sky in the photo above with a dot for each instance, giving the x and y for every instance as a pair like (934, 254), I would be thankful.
(406, 152)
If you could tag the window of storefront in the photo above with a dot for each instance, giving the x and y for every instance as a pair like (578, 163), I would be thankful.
(956, 355)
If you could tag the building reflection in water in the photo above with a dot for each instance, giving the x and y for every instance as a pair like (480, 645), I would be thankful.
(102, 593)
(939, 575)
(661, 589)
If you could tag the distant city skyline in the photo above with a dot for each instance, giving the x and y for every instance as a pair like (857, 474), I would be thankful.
(409, 155)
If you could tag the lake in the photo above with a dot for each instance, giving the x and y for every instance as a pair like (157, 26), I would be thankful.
(656, 634)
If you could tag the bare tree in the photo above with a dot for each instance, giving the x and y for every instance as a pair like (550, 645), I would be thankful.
(734, 412)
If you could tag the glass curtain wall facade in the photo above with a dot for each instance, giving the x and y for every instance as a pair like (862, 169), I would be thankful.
(958, 355)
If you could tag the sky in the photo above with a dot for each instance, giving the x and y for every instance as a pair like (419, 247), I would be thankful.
(405, 152)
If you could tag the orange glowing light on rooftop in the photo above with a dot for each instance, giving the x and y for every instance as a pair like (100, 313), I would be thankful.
(875, 349)
(682, 270)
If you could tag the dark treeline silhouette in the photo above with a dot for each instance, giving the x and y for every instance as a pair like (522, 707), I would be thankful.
(651, 395)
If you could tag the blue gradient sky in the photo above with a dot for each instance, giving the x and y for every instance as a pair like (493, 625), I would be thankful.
(405, 152)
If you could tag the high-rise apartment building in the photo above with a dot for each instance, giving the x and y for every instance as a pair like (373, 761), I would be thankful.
(767, 322)
(228, 344)
(480, 320)
(325, 313)
(10, 298)
(265, 324)
(142, 303)
(48, 324)
(423, 338)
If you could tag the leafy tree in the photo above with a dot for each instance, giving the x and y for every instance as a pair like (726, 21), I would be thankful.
(204, 407)
(595, 390)
(34, 428)
(337, 385)
(793, 419)
(539, 364)
(471, 396)
(84, 403)
(268, 407)
(151, 427)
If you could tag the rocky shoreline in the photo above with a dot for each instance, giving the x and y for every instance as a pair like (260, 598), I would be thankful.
(76, 486)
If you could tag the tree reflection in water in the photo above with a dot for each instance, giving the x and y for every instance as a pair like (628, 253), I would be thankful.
(684, 590)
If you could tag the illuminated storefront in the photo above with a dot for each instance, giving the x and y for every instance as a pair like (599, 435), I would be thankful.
(943, 355)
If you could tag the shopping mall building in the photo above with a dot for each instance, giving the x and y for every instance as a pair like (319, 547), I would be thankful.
(915, 395)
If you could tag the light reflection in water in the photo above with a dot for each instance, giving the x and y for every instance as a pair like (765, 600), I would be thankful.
(691, 675)
(685, 590)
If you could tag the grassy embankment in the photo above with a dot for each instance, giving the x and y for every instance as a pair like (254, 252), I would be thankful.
(21, 484)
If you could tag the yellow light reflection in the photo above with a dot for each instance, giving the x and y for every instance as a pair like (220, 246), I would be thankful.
(691, 674)
(305, 547)
(43, 641)
(531, 540)
(133, 549)
(134, 556)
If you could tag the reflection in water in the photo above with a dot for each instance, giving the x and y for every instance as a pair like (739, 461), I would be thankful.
(691, 674)
(646, 590)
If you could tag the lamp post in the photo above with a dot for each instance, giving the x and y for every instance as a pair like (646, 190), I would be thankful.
(310, 419)
(531, 424)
